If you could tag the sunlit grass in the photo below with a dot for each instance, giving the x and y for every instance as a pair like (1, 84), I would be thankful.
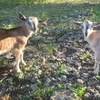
(61, 67)
(96, 17)
(83, 1)
(49, 47)
(85, 55)
(33, 1)
(97, 76)
(49, 1)
(43, 91)
(80, 90)
(8, 26)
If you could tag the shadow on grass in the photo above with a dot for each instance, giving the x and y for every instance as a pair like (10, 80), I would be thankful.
(55, 12)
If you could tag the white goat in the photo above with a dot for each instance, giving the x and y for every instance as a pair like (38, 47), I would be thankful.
(93, 38)
(16, 38)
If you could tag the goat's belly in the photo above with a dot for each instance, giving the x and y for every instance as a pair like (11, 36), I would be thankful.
(96, 49)
(3, 51)
(6, 44)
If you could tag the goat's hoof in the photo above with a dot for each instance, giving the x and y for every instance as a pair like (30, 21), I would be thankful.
(14, 71)
(24, 63)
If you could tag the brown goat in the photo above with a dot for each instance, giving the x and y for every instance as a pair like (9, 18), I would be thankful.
(16, 38)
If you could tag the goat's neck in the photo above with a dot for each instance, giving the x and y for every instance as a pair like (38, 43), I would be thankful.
(93, 37)
(27, 30)
(89, 33)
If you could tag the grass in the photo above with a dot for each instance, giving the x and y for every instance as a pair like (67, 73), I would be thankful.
(32, 1)
(85, 56)
(95, 16)
(50, 10)
(42, 91)
(61, 67)
(97, 76)
(8, 26)
(6, 61)
(49, 1)
(49, 47)
(80, 90)
(75, 44)
(20, 76)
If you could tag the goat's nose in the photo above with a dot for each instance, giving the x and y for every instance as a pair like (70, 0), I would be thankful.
(86, 33)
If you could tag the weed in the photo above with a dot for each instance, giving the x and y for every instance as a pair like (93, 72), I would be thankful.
(75, 44)
(20, 76)
(4, 81)
(79, 90)
(0, 82)
(44, 91)
(97, 76)
(85, 56)
(49, 47)
(61, 67)
(40, 84)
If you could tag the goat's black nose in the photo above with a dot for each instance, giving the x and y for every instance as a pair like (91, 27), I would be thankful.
(86, 33)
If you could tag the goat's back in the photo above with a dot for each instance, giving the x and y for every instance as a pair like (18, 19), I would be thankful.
(12, 39)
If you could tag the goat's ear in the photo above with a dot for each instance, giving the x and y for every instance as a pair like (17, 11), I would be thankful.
(42, 21)
(21, 16)
(96, 24)
(77, 23)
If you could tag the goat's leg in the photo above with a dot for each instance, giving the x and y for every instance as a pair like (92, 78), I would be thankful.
(18, 58)
(95, 65)
(22, 60)
(97, 60)
(96, 70)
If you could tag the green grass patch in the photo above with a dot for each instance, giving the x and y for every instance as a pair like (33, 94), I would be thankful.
(8, 26)
(61, 67)
(5, 81)
(85, 56)
(95, 16)
(20, 76)
(49, 47)
(80, 90)
(97, 76)
(48, 1)
(32, 1)
(75, 44)
(6, 61)
(40, 84)
(42, 91)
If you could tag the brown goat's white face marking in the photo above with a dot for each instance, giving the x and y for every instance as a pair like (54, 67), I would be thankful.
(33, 21)
(87, 28)
(36, 21)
